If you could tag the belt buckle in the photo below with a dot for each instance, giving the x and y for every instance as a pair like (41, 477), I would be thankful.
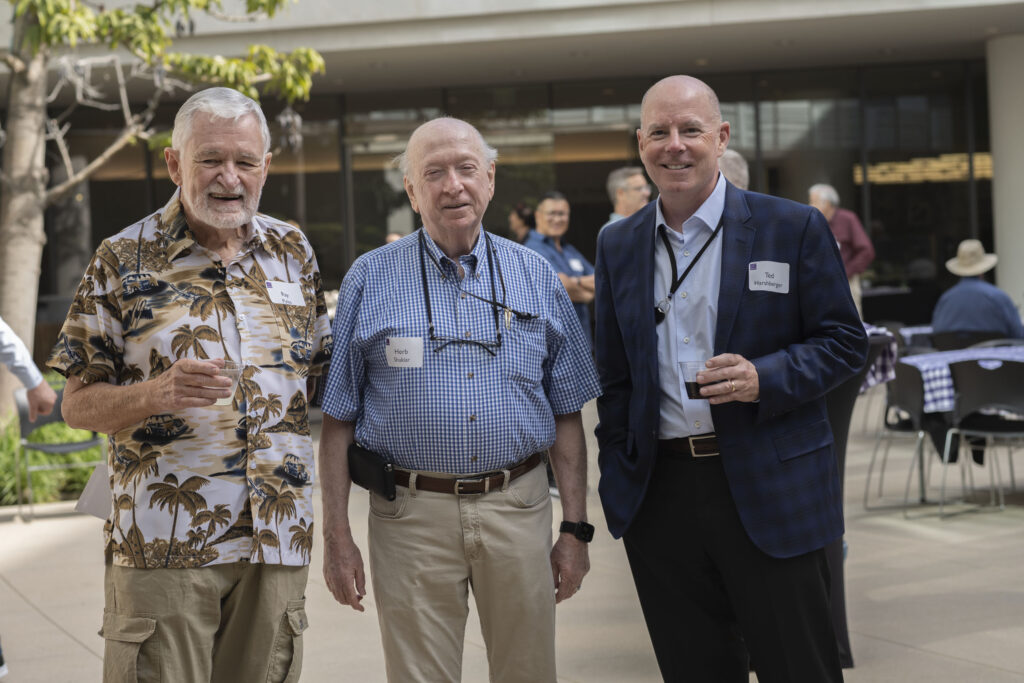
(693, 446)
(471, 480)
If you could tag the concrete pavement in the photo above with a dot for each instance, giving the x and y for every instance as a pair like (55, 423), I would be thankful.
(928, 599)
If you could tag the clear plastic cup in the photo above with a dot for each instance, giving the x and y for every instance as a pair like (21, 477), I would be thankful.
(232, 370)
(690, 370)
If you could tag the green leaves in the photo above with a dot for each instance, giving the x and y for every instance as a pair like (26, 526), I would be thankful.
(147, 32)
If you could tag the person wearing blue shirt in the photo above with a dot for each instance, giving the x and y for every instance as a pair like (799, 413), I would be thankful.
(461, 361)
(15, 356)
(575, 272)
(973, 305)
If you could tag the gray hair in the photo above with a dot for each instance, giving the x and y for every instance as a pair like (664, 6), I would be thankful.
(218, 103)
(826, 192)
(617, 180)
(734, 168)
(401, 161)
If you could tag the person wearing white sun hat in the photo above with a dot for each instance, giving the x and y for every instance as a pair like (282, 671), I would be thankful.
(974, 305)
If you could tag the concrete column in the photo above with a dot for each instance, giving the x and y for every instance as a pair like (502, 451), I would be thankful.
(1005, 103)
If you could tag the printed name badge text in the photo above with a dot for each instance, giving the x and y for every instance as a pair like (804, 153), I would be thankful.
(768, 276)
(287, 293)
(404, 352)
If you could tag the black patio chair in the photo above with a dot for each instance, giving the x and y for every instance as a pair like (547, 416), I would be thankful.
(989, 404)
(950, 341)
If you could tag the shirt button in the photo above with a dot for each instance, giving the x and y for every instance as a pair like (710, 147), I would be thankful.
(469, 375)
(241, 317)
(697, 424)
(473, 458)
(472, 418)
(466, 335)
(682, 295)
(252, 464)
(686, 253)
(686, 340)
(463, 295)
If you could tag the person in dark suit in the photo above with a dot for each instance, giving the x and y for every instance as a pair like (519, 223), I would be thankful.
(726, 501)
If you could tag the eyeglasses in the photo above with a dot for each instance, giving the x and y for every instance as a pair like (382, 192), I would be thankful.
(490, 347)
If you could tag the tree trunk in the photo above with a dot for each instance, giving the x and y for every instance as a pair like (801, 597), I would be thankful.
(22, 200)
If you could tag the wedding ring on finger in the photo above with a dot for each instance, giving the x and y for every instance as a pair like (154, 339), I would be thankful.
(732, 385)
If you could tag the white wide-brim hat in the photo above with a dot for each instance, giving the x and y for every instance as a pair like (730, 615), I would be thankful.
(971, 259)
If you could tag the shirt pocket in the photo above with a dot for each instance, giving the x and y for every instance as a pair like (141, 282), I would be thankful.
(524, 350)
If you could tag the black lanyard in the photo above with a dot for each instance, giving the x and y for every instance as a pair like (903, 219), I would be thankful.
(661, 308)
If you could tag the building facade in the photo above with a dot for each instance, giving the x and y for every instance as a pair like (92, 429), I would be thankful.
(909, 108)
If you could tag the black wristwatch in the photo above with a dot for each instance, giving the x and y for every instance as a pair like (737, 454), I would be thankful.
(581, 530)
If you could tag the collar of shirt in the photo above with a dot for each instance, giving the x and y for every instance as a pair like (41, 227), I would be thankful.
(688, 332)
(472, 263)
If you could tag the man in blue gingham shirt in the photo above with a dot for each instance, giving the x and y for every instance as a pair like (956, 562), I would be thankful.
(461, 360)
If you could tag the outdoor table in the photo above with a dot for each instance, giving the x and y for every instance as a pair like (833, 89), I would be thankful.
(908, 333)
(938, 382)
(883, 368)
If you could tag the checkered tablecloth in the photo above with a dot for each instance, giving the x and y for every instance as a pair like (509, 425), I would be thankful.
(938, 381)
(884, 367)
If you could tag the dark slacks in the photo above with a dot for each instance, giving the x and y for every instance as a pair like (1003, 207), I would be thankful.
(710, 596)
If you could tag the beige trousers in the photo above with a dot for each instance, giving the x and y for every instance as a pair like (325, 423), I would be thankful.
(224, 623)
(855, 290)
(428, 549)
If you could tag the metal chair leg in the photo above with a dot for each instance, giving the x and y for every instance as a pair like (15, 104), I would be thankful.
(17, 477)
(945, 469)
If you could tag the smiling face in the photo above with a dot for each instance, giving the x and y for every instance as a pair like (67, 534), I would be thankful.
(681, 137)
(552, 218)
(221, 171)
(449, 180)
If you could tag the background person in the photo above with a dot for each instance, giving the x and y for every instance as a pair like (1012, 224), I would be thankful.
(209, 541)
(854, 244)
(735, 169)
(462, 383)
(15, 356)
(628, 191)
(973, 305)
(574, 270)
(520, 222)
(724, 502)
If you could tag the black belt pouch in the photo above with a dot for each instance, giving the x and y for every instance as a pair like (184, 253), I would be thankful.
(371, 471)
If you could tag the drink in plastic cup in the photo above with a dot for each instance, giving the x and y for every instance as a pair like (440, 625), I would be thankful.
(690, 370)
(232, 370)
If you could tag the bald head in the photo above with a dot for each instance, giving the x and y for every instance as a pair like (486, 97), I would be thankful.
(449, 128)
(680, 88)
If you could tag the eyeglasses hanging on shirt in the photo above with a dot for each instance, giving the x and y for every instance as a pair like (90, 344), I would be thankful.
(490, 347)
(661, 308)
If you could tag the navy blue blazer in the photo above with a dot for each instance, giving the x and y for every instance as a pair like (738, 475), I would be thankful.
(777, 453)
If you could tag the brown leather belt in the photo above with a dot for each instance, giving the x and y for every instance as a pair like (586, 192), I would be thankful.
(700, 446)
(482, 483)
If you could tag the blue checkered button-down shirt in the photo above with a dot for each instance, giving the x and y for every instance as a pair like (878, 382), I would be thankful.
(462, 410)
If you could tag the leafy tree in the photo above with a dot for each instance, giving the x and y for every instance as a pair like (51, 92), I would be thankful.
(138, 40)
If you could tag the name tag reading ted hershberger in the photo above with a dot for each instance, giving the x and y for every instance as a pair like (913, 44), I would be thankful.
(404, 352)
(768, 276)
(287, 293)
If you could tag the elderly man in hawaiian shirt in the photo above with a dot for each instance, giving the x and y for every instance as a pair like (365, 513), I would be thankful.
(209, 539)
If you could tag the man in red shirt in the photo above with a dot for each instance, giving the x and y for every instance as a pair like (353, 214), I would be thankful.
(854, 244)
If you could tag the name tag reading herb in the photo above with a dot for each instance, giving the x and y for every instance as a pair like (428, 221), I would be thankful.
(576, 265)
(768, 276)
(404, 352)
(287, 293)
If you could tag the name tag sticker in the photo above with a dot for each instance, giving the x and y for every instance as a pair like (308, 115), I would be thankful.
(576, 265)
(287, 293)
(768, 276)
(404, 352)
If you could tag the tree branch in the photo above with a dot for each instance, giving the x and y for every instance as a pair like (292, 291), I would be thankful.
(13, 63)
(57, 192)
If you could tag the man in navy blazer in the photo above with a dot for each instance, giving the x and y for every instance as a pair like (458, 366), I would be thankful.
(726, 501)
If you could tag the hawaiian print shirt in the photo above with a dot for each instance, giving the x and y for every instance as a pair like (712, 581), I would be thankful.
(215, 484)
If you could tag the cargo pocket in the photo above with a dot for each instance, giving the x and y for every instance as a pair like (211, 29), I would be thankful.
(286, 657)
(128, 654)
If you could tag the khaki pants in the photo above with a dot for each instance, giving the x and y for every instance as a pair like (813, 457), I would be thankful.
(427, 550)
(855, 290)
(223, 623)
